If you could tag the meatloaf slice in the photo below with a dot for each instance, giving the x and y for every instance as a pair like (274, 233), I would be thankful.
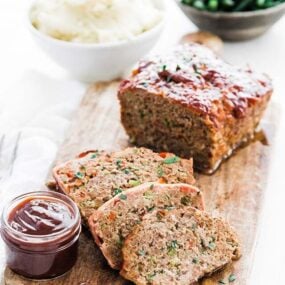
(177, 247)
(94, 179)
(113, 221)
(192, 103)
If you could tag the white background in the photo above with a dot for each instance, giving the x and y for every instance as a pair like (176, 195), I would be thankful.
(20, 58)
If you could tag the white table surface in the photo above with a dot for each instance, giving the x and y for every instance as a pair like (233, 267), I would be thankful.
(20, 57)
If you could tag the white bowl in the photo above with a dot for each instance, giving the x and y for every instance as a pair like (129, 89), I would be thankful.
(92, 62)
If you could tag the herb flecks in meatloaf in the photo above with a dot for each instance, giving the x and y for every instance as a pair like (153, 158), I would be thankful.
(177, 247)
(96, 177)
(192, 103)
(114, 220)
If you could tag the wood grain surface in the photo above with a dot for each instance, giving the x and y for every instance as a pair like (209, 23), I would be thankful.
(234, 192)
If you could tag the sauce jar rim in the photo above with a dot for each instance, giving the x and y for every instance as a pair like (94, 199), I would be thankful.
(74, 226)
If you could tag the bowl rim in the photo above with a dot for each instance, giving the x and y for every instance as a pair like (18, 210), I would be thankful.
(233, 14)
(136, 39)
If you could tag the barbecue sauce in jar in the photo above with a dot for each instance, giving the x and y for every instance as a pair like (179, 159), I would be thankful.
(41, 231)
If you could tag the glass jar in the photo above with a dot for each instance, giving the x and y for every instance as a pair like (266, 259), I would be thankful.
(37, 255)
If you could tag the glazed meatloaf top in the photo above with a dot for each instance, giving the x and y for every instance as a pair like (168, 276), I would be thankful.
(193, 76)
(96, 177)
(177, 247)
(114, 220)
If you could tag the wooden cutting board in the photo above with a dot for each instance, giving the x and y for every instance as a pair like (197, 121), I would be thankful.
(235, 191)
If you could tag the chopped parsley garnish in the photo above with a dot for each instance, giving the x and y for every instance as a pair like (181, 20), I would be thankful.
(143, 84)
(123, 197)
(127, 171)
(148, 195)
(196, 69)
(178, 67)
(185, 200)
(212, 245)
(142, 115)
(221, 282)
(150, 277)
(149, 209)
(119, 163)
(120, 240)
(164, 67)
(174, 244)
(134, 183)
(141, 252)
(117, 191)
(94, 155)
(151, 186)
(160, 172)
(232, 278)
(169, 207)
(120, 243)
(170, 160)
(195, 260)
(171, 247)
(167, 123)
(79, 175)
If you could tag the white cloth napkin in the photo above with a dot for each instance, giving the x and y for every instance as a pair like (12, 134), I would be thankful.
(40, 109)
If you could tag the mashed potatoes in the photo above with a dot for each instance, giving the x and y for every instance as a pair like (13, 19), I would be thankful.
(94, 21)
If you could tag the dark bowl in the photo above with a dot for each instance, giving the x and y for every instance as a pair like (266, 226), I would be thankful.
(234, 26)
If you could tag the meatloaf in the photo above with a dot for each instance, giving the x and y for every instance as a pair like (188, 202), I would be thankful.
(113, 221)
(192, 103)
(96, 177)
(177, 247)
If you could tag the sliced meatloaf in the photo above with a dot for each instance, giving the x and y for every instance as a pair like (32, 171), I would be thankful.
(113, 221)
(192, 103)
(96, 177)
(177, 247)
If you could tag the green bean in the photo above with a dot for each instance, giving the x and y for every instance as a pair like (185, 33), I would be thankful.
(213, 5)
(198, 4)
(232, 5)
(242, 5)
(187, 2)
(260, 3)
(271, 4)
(228, 3)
